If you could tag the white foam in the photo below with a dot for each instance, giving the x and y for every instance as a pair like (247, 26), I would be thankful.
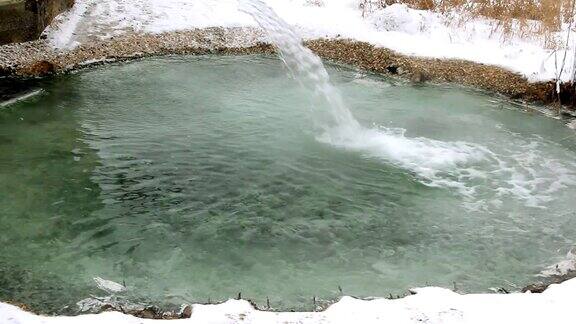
(531, 175)
(524, 172)
(425, 156)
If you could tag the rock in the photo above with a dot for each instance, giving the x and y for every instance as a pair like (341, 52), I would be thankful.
(150, 312)
(5, 71)
(186, 311)
(392, 69)
(37, 69)
(548, 281)
(537, 288)
(419, 76)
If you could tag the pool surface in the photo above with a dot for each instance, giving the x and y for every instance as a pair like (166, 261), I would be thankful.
(191, 179)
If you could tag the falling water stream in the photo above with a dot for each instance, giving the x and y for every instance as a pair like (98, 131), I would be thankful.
(437, 163)
(305, 66)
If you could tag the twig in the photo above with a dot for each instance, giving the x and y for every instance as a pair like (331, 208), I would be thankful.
(559, 75)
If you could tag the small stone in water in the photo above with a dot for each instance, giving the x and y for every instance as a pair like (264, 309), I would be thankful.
(186, 311)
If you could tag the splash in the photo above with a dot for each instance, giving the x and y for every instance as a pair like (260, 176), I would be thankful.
(339, 126)
(459, 166)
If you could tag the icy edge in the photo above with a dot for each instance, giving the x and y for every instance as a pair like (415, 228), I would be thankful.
(428, 305)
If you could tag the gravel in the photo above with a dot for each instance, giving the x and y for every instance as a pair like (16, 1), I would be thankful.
(38, 58)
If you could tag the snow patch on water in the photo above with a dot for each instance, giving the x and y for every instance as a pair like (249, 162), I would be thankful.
(108, 285)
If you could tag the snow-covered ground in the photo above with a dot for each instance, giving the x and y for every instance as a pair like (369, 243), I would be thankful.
(428, 306)
(411, 32)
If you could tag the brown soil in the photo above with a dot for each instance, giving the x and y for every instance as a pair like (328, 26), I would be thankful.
(487, 77)
(38, 69)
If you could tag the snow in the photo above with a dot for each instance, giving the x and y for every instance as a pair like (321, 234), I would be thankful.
(428, 305)
(411, 32)
(564, 266)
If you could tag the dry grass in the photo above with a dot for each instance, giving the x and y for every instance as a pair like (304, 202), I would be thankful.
(513, 17)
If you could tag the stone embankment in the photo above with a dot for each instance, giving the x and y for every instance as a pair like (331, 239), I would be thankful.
(38, 58)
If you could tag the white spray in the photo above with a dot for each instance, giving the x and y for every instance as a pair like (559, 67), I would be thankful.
(456, 165)
(339, 126)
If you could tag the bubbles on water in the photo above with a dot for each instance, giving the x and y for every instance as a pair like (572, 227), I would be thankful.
(435, 163)
(485, 179)
(423, 156)
(531, 175)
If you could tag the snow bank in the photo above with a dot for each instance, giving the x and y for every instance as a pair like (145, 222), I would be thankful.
(428, 305)
(408, 31)
(567, 265)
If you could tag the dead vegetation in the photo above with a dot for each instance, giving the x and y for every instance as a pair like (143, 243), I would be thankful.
(541, 18)
(552, 22)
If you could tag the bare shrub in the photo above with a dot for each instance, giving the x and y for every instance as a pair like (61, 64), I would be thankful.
(315, 3)
(513, 17)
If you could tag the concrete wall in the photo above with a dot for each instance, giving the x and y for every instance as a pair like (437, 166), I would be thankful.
(24, 20)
